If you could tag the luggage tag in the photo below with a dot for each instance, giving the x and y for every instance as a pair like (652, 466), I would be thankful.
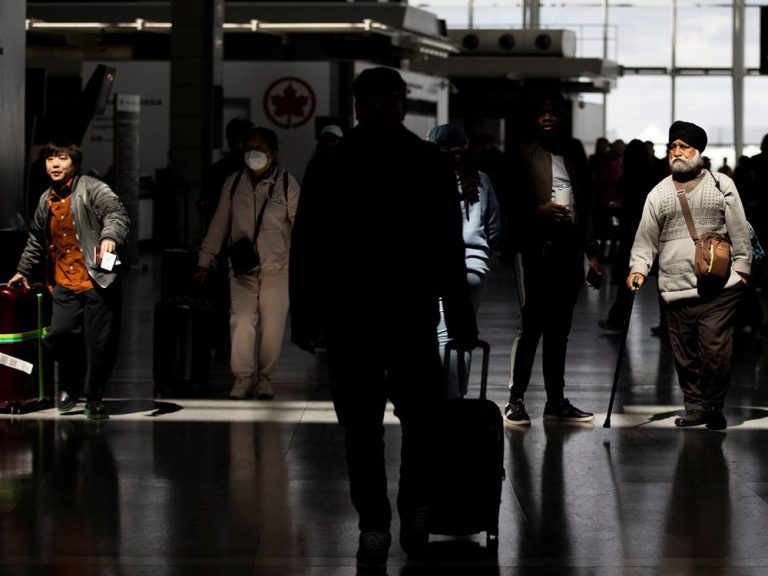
(16, 363)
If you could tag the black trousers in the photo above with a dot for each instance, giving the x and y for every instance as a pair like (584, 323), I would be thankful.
(84, 335)
(701, 336)
(548, 285)
(365, 372)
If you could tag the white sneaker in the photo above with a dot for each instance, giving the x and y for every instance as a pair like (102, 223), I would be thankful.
(242, 388)
(264, 389)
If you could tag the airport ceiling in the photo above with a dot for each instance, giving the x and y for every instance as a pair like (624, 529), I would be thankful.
(387, 33)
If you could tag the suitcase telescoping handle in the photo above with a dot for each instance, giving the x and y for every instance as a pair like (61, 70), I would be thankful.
(486, 351)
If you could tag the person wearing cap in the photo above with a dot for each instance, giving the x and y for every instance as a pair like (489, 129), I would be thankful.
(699, 323)
(376, 244)
(554, 229)
(258, 204)
(333, 133)
(329, 137)
(481, 222)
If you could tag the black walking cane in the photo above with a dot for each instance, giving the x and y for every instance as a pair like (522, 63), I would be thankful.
(620, 359)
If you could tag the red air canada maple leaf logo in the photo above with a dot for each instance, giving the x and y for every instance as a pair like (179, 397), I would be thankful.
(289, 102)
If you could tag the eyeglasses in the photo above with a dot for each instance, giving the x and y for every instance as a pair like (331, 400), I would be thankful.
(683, 147)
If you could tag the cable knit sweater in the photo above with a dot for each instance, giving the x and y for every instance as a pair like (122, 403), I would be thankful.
(662, 232)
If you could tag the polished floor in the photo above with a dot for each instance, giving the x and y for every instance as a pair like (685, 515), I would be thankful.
(212, 486)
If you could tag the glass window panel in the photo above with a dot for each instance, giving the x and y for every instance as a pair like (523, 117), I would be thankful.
(639, 107)
(494, 14)
(755, 110)
(708, 102)
(644, 35)
(697, 3)
(704, 37)
(485, 13)
(752, 38)
(586, 22)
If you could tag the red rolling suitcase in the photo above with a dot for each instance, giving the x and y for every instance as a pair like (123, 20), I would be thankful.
(466, 492)
(26, 369)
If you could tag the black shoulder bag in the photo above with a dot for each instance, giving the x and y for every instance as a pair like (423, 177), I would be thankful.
(243, 254)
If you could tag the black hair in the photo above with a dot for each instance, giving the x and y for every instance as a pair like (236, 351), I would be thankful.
(71, 149)
(237, 131)
(269, 137)
(379, 83)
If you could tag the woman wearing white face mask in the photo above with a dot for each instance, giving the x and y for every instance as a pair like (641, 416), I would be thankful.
(257, 204)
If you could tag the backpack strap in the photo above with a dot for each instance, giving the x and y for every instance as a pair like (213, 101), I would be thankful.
(257, 217)
(234, 185)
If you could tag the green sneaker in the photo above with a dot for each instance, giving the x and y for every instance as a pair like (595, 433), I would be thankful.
(95, 410)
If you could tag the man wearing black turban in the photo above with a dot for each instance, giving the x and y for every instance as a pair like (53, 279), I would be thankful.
(689, 133)
(700, 325)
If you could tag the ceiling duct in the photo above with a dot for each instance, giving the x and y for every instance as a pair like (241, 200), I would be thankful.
(523, 42)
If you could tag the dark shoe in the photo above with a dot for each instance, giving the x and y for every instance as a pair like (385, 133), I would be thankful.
(515, 414)
(65, 402)
(610, 325)
(693, 417)
(566, 411)
(414, 532)
(264, 389)
(373, 549)
(660, 330)
(716, 421)
(95, 410)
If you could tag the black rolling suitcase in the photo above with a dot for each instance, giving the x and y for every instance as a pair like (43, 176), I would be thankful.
(466, 492)
(182, 347)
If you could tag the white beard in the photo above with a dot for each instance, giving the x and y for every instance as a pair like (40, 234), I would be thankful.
(685, 165)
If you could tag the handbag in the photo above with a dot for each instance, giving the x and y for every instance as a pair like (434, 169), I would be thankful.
(243, 254)
(243, 257)
(712, 258)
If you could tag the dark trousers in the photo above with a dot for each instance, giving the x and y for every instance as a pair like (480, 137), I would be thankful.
(363, 374)
(701, 337)
(548, 285)
(83, 338)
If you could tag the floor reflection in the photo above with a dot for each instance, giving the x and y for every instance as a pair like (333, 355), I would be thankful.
(212, 486)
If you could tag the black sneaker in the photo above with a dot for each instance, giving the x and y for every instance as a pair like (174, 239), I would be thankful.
(373, 549)
(515, 414)
(65, 402)
(692, 417)
(95, 410)
(566, 411)
(716, 421)
(414, 532)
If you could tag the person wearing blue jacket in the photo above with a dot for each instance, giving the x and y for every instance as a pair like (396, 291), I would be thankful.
(481, 225)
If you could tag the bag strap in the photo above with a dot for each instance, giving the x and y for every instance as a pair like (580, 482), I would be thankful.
(687, 214)
(234, 187)
(258, 218)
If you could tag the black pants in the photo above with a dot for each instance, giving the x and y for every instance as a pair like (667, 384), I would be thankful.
(701, 336)
(83, 339)
(365, 372)
(548, 284)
